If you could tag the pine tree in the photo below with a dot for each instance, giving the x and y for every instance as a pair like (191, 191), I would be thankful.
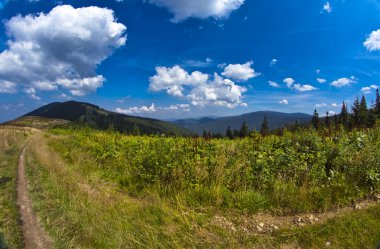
(265, 127)
(136, 130)
(315, 120)
(363, 112)
(377, 103)
(244, 132)
(204, 134)
(229, 133)
(328, 120)
(344, 115)
(355, 112)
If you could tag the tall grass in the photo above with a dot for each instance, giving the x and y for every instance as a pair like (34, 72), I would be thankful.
(11, 142)
(105, 190)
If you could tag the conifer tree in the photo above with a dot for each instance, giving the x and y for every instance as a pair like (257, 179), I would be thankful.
(136, 130)
(363, 112)
(377, 103)
(344, 115)
(204, 135)
(315, 120)
(355, 112)
(265, 127)
(229, 133)
(244, 132)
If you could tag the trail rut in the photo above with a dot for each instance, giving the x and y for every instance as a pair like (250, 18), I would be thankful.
(33, 233)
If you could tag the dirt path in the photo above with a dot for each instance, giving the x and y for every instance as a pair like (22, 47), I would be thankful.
(34, 235)
(264, 223)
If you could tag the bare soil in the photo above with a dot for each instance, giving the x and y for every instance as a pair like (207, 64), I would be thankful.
(33, 233)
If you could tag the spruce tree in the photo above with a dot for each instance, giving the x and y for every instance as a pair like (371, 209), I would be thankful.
(204, 135)
(244, 132)
(136, 130)
(363, 112)
(229, 133)
(265, 127)
(377, 103)
(355, 112)
(315, 119)
(343, 117)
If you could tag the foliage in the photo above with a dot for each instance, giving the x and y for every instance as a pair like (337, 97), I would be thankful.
(296, 172)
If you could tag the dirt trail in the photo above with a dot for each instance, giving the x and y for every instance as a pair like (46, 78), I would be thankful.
(34, 235)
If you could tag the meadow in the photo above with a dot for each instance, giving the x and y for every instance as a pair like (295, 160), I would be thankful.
(104, 189)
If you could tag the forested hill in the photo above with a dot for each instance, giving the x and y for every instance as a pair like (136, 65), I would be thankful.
(96, 117)
(254, 121)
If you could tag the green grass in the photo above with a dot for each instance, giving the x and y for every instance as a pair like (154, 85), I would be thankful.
(104, 190)
(359, 229)
(11, 142)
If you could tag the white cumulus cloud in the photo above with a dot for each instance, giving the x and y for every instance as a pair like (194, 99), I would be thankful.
(304, 88)
(197, 87)
(373, 41)
(327, 7)
(240, 72)
(7, 87)
(343, 82)
(368, 89)
(153, 108)
(60, 49)
(202, 9)
(274, 84)
(283, 102)
(291, 83)
(320, 80)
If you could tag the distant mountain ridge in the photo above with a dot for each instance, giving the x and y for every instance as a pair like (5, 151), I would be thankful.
(96, 117)
(254, 121)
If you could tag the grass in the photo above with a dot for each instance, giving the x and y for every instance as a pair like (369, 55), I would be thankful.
(11, 142)
(90, 191)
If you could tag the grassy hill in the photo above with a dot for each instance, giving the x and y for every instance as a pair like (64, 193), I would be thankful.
(254, 121)
(96, 117)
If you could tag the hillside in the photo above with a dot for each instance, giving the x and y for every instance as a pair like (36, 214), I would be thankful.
(98, 118)
(254, 121)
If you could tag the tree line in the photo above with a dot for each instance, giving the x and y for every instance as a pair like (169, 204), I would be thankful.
(359, 117)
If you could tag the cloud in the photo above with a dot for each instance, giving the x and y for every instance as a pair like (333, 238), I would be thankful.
(184, 9)
(283, 102)
(368, 89)
(7, 87)
(153, 108)
(320, 80)
(60, 49)
(197, 87)
(240, 72)
(343, 82)
(274, 84)
(199, 63)
(373, 41)
(273, 62)
(333, 105)
(327, 7)
(318, 71)
(31, 92)
(174, 79)
(289, 82)
(303, 88)
(133, 110)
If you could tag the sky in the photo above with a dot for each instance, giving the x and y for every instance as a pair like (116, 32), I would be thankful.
(171, 59)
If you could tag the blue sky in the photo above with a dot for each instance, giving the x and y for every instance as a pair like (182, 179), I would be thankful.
(178, 58)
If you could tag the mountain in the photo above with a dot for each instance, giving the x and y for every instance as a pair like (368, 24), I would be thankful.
(254, 121)
(98, 118)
